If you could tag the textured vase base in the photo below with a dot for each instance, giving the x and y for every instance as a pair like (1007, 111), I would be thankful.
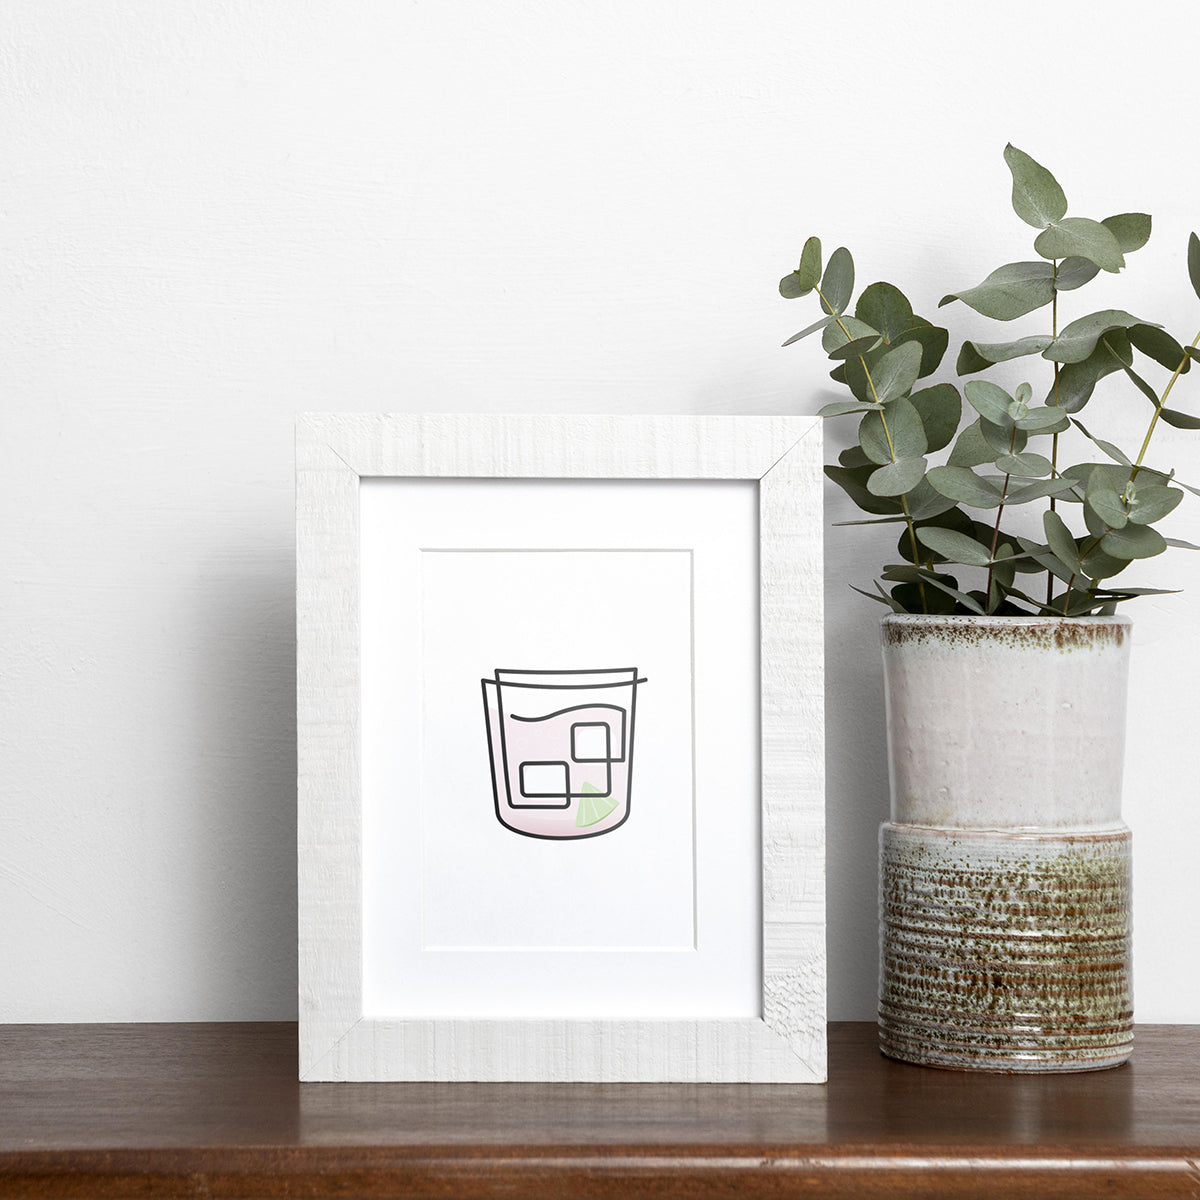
(1005, 952)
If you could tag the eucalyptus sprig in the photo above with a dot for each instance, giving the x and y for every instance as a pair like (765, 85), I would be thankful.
(1004, 449)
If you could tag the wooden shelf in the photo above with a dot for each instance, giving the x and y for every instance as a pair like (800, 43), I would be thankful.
(215, 1110)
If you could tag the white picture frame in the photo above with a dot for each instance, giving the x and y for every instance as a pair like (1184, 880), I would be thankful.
(782, 455)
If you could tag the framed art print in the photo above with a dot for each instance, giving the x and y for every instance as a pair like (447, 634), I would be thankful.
(561, 795)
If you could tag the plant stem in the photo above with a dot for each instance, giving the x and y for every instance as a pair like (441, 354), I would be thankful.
(1137, 466)
(1012, 442)
(1054, 438)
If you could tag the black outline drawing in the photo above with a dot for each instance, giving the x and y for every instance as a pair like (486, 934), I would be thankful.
(561, 800)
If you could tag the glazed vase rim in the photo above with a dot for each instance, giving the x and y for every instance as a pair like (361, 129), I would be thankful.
(995, 620)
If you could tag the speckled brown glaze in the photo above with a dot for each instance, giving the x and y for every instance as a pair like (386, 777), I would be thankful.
(1004, 952)
(1051, 633)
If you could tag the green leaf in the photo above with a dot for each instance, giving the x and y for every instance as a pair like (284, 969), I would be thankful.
(1077, 381)
(965, 487)
(1044, 420)
(1158, 344)
(915, 575)
(1010, 291)
(1113, 452)
(1035, 491)
(1179, 420)
(858, 347)
(972, 448)
(1074, 273)
(809, 270)
(1061, 541)
(978, 356)
(885, 308)
(897, 371)
(837, 284)
(1026, 465)
(839, 408)
(932, 339)
(1002, 441)
(1132, 230)
(1077, 341)
(1193, 257)
(882, 598)
(853, 481)
(940, 410)
(1080, 237)
(925, 502)
(1180, 544)
(843, 330)
(1150, 504)
(1036, 196)
(897, 478)
(954, 547)
(990, 401)
(1133, 541)
(1105, 501)
(853, 456)
(816, 325)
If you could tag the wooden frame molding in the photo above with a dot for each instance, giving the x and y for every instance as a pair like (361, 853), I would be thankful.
(783, 455)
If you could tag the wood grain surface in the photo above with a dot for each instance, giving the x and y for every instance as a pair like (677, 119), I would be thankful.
(216, 1111)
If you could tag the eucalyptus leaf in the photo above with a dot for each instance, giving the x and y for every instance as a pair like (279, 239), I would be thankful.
(1026, 465)
(1044, 420)
(954, 547)
(1180, 544)
(885, 308)
(837, 284)
(1061, 541)
(1133, 541)
(926, 502)
(915, 575)
(964, 486)
(809, 270)
(839, 408)
(940, 409)
(1150, 504)
(1193, 259)
(1002, 441)
(1009, 292)
(1039, 489)
(932, 339)
(1079, 237)
(858, 347)
(813, 328)
(882, 598)
(1179, 420)
(1105, 501)
(1074, 273)
(978, 356)
(1077, 341)
(1132, 230)
(897, 478)
(897, 371)
(1075, 382)
(990, 401)
(1036, 196)
(853, 481)
(1158, 344)
(842, 330)
(971, 449)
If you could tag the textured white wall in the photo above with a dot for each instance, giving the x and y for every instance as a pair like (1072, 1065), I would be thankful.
(217, 214)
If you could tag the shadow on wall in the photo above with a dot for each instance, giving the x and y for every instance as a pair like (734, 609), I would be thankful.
(246, 731)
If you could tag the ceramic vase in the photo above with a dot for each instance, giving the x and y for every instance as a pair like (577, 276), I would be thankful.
(1005, 866)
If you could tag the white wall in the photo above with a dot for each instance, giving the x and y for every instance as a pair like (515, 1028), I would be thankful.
(218, 214)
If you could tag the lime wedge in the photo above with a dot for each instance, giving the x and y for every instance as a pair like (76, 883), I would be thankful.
(593, 807)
